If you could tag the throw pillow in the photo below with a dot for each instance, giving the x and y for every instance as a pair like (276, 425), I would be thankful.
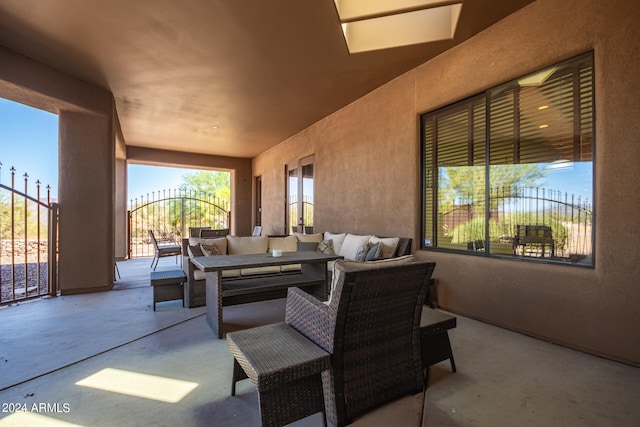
(374, 252)
(362, 252)
(210, 250)
(194, 251)
(389, 245)
(326, 247)
(353, 245)
(220, 243)
(337, 240)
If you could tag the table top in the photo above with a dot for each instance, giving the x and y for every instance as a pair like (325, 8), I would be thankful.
(168, 274)
(232, 262)
(275, 354)
(434, 321)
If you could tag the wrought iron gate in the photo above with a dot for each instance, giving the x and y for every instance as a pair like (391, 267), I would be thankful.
(28, 243)
(170, 214)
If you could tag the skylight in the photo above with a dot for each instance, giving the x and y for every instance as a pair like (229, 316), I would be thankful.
(380, 24)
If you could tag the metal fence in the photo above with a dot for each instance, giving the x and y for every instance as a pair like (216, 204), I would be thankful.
(567, 217)
(28, 242)
(170, 214)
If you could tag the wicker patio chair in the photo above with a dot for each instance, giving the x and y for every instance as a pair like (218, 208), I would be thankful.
(371, 328)
(163, 250)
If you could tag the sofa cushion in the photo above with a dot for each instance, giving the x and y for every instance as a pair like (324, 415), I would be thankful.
(308, 237)
(247, 245)
(199, 274)
(354, 247)
(337, 240)
(270, 269)
(290, 267)
(389, 245)
(220, 243)
(231, 273)
(286, 244)
(342, 265)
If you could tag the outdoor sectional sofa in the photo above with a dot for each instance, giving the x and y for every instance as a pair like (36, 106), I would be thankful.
(352, 247)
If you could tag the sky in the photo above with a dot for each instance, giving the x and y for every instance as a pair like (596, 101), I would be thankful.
(29, 142)
(146, 179)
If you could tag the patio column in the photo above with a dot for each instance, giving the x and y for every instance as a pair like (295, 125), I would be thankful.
(86, 197)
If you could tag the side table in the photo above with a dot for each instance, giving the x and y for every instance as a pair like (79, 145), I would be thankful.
(167, 285)
(434, 338)
(286, 369)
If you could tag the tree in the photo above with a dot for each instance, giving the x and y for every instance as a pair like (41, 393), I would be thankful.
(467, 183)
(19, 218)
(463, 197)
(216, 183)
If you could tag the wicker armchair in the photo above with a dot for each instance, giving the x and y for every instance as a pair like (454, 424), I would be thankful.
(371, 328)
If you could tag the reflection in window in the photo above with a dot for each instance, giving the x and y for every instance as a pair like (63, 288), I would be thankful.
(300, 196)
(510, 172)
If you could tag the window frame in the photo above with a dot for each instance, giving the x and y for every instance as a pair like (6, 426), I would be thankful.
(430, 214)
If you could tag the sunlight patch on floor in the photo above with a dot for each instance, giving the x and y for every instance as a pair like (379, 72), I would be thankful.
(140, 385)
(29, 419)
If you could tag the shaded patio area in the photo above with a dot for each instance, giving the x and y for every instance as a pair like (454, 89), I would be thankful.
(504, 378)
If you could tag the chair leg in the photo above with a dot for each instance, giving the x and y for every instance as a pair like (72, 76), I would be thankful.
(426, 377)
(234, 377)
(448, 342)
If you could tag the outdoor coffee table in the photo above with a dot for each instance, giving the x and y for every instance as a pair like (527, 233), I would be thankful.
(220, 292)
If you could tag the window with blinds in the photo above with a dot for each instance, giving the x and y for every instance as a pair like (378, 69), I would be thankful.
(509, 172)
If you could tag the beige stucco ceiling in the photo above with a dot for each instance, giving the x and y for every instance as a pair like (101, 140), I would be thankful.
(225, 77)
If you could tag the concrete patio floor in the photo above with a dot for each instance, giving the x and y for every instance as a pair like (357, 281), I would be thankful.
(48, 346)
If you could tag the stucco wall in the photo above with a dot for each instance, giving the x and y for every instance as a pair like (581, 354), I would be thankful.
(85, 167)
(367, 174)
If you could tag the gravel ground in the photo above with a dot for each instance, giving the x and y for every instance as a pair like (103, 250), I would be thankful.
(20, 273)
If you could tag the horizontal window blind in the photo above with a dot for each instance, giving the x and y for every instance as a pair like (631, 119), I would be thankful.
(539, 120)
